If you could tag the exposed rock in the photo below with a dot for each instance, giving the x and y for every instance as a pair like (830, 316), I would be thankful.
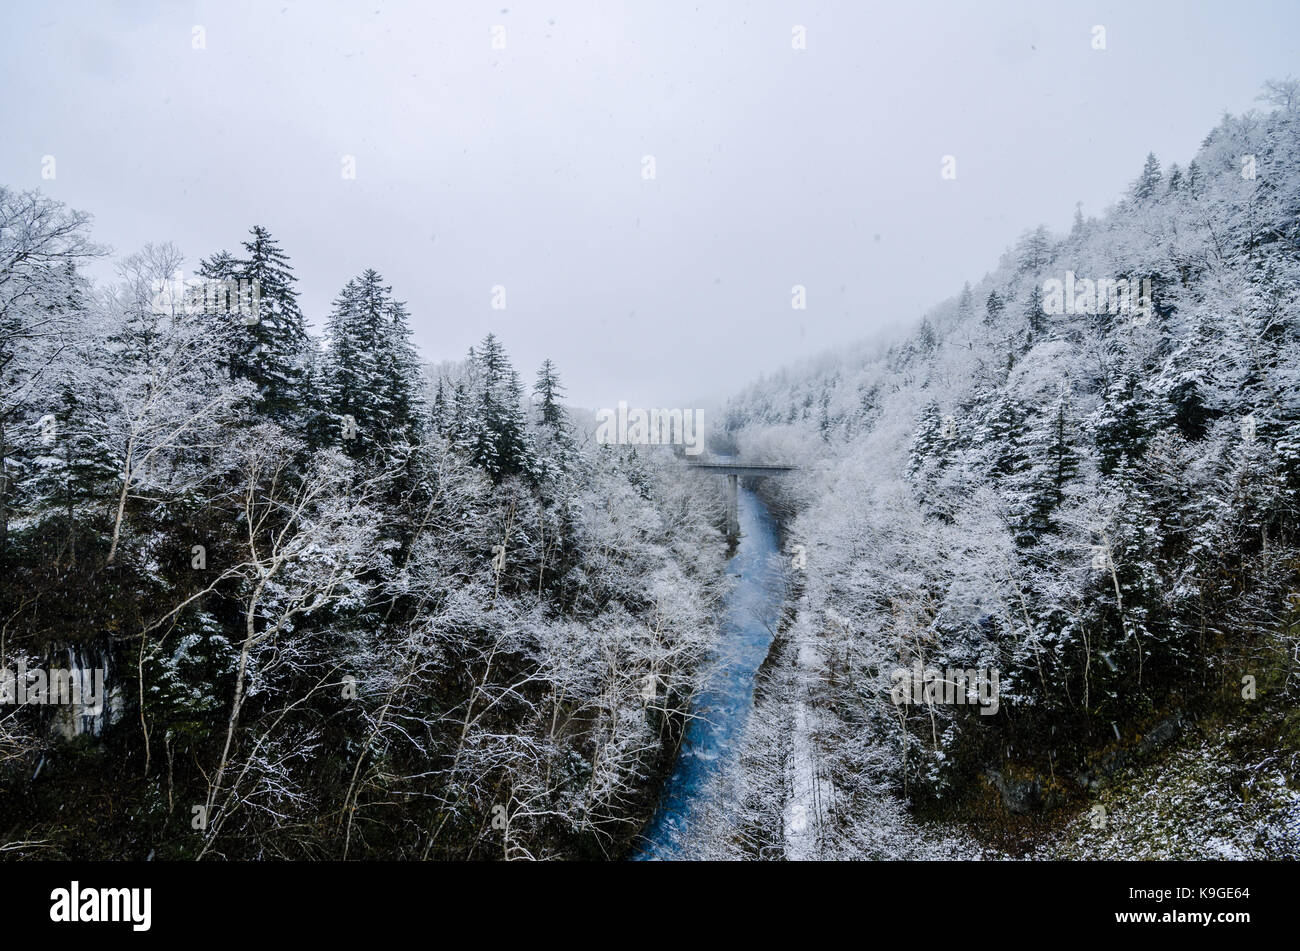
(1114, 762)
(1019, 797)
(1161, 734)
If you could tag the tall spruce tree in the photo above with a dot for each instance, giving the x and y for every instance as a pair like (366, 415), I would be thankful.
(993, 307)
(548, 390)
(555, 448)
(271, 347)
(1035, 318)
(371, 370)
(498, 439)
(401, 392)
(1053, 454)
(1147, 185)
(349, 372)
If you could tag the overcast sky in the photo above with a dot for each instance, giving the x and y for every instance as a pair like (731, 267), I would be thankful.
(523, 167)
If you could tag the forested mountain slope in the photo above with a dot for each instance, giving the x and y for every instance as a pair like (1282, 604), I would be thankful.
(342, 609)
(1096, 502)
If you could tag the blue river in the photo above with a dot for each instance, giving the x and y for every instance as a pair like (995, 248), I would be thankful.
(750, 615)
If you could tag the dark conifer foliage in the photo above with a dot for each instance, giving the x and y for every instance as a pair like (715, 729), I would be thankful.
(271, 347)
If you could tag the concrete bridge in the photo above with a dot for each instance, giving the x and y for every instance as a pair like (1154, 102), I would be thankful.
(733, 471)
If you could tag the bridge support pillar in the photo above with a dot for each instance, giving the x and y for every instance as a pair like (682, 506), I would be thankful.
(733, 517)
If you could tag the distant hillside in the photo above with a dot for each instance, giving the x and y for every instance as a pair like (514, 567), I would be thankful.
(1094, 497)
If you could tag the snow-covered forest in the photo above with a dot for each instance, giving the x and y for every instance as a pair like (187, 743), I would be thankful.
(348, 607)
(1100, 505)
(354, 603)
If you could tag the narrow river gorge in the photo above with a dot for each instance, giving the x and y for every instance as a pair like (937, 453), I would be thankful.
(749, 619)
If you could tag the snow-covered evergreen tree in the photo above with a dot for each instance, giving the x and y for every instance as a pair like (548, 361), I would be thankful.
(271, 346)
